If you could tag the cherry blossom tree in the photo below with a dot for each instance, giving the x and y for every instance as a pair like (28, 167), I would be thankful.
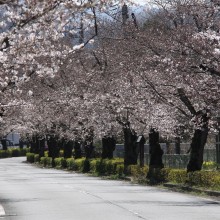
(130, 80)
(184, 39)
(29, 32)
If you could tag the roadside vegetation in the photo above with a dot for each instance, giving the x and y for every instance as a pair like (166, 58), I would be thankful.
(13, 153)
(208, 178)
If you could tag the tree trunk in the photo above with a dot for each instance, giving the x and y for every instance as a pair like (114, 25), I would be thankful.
(218, 146)
(108, 147)
(68, 148)
(89, 150)
(34, 145)
(140, 145)
(156, 154)
(177, 145)
(53, 148)
(21, 144)
(41, 145)
(77, 150)
(198, 142)
(196, 150)
(4, 144)
(89, 147)
(130, 147)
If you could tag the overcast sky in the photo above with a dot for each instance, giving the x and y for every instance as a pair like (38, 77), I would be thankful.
(146, 3)
(140, 1)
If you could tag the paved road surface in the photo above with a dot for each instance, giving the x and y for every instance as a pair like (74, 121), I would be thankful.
(30, 193)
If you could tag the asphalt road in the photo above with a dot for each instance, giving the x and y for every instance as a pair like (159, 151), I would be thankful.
(31, 193)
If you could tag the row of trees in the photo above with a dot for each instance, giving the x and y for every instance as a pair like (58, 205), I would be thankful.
(77, 70)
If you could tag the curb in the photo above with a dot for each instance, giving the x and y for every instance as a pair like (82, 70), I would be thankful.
(191, 189)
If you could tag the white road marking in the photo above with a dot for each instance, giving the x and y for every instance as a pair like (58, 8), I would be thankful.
(2, 211)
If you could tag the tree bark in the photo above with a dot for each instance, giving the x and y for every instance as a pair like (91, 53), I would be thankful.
(21, 144)
(89, 147)
(140, 145)
(198, 143)
(130, 147)
(108, 147)
(68, 148)
(89, 150)
(156, 152)
(4, 144)
(77, 150)
(197, 148)
(34, 145)
(177, 145)
(41, 146)
(200, 134)
(53, 148)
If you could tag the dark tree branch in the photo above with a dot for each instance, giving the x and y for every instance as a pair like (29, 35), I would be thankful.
(164, 99)
(210, 70)
(6, 42)
(97, 59)
(186, 101)
(95, 19)
(199, 26)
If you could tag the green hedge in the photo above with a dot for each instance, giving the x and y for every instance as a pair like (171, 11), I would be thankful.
(216, 182)
(137, 171)
(203, 178)
(46, 153)
(93, 165)
(46, 161)
(177, 176)
(120, 169)
(105, 166)
(70, 162)
(79, 164)
(209, 165)
(98, 166)
(60, 163)
(30, 157)
(36, 158)
(14, 152)
(23, 152)
(5, 153)
(86, 166)
(157, 175)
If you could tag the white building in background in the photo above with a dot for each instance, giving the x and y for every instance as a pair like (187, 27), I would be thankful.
(13, 137)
